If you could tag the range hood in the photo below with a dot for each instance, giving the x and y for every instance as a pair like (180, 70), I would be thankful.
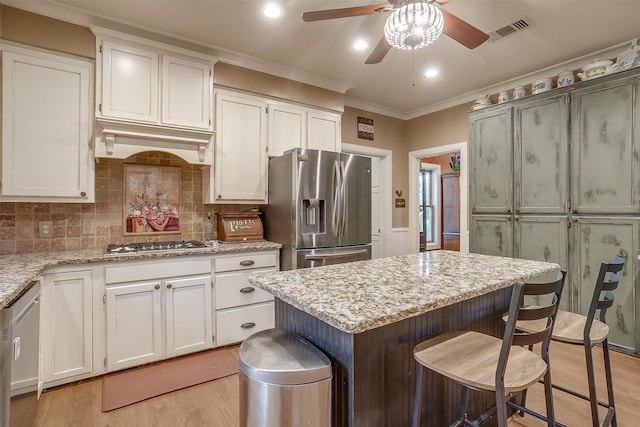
(121, 139)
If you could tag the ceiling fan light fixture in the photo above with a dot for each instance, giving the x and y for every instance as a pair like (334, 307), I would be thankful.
(414, 26)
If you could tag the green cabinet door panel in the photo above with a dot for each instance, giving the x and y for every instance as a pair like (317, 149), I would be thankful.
(597, 240)
(541, 156)
(490, 133)
(544, 238)
(492, 235)
(605, 148)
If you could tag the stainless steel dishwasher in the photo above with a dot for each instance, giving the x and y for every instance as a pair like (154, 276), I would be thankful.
(19, 359)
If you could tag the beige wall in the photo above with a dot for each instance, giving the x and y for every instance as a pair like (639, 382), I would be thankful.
(47, 33)
(444, 127)
(389, 134)
(276, 87)
(401, 137)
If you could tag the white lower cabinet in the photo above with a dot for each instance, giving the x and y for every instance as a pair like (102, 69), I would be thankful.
(67, 326)
(153, 316)
(241, 308)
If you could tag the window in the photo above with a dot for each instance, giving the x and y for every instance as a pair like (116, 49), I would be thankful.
(425, 205)
(429, 206)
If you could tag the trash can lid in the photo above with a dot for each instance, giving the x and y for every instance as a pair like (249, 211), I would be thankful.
(277, 356)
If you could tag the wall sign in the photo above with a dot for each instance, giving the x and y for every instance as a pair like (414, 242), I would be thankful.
(365, 128)
(400, 202)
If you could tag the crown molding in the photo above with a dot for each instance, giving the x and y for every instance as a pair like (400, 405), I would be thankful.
(466, 98)
(73, 15)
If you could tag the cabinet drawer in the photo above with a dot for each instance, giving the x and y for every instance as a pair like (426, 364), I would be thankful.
(245, 261)
(233, 289)
(186, 266)
(236, 324)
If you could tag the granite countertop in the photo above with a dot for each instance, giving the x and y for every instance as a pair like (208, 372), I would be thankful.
(19, 270)
(363, 295)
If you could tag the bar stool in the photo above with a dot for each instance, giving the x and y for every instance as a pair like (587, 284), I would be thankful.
(485, 363)
(577, 329)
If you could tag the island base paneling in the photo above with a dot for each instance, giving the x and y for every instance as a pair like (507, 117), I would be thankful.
(374, 371)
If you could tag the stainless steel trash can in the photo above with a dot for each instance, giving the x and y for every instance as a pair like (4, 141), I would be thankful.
(284, 382)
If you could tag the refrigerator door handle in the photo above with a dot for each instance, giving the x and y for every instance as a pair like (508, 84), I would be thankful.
(343, 195)
(317, 257)
(335, 214)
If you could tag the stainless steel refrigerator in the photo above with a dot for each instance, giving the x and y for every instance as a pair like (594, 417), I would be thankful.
(319, 208)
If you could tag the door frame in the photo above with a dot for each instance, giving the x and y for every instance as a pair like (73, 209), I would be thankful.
(386, 160)
(414, 170)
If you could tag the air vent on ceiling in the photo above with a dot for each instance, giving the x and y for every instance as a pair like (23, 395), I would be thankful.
(507, 30)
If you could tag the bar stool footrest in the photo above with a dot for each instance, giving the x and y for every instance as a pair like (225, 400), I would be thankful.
(532, 413)
(582, 396)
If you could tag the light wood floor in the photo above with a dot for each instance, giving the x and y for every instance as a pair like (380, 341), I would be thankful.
(215, 404)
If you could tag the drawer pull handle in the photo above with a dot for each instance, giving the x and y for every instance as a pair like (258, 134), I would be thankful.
(247, 262)
(248, 325)
(247, 290)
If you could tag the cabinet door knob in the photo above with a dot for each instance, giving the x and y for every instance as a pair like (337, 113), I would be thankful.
(169, 285)
(219, 196)
(157, 286)
(83, 194)
(247, 262)
(247, 290)
(248, 325)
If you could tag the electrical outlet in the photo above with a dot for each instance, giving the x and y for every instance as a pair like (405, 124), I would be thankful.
(45, 229)
(88, 226)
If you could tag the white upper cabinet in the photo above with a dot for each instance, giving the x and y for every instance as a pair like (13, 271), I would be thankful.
(46, 127)
(323, 131)
(186, 97)
(146, 85)
(294, 126)
(129, 83)
(240, 173)
(152, 96)
(287, 128)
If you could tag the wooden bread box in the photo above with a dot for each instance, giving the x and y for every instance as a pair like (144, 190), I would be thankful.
(239, 226)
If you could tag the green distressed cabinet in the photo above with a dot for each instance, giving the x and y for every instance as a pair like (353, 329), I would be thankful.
(544, 238)
(541, 156)
(492, 235)
(599, 239)
(605, 146)
(492, 161)
(556, 177)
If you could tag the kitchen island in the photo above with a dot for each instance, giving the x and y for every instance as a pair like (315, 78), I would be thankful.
(368, 315)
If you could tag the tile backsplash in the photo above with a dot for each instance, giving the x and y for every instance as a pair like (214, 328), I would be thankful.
(103, 220)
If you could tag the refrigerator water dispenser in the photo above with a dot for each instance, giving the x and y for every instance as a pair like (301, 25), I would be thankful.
(314, 214)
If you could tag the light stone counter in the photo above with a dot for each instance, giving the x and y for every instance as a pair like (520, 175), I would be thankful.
(363, 295)
(17, 271)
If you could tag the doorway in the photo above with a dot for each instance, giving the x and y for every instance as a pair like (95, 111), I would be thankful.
(415, 166)
(381, 196)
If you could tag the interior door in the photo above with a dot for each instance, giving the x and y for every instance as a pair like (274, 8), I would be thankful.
(376, 250)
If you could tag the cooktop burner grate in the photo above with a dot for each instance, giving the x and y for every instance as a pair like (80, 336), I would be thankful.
(166, 246)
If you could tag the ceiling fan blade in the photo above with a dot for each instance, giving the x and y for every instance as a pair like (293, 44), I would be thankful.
(320, 15)
(462, 32)
(379, 52)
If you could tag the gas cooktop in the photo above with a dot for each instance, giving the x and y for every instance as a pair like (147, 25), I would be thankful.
(167, 246)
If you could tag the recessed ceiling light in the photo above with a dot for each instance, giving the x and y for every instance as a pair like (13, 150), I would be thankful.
(431, 72)
(272, 11)
(360, 45)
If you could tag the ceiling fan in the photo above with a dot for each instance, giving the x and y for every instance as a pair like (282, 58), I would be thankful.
(454, 27)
